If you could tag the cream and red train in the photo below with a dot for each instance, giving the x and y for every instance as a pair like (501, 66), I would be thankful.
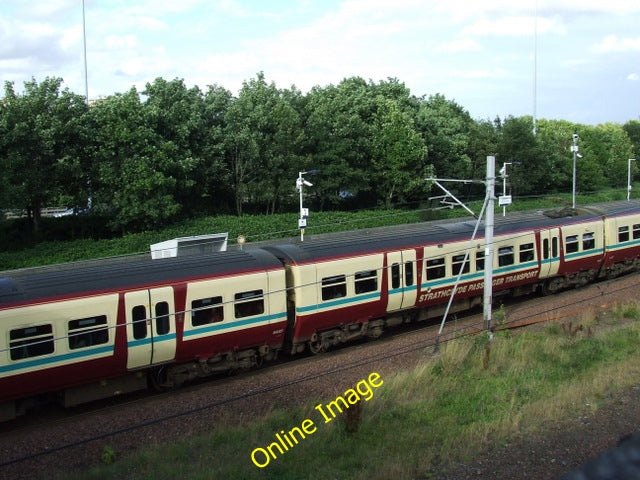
(80, 332)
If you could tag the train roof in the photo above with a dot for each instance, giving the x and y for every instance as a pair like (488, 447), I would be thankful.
(434, 232)
(85, 278)
(82, 278)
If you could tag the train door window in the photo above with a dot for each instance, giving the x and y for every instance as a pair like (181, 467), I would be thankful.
(85, 332)
(571, 244)
(366, 281)
(545, 248)
(554, 247)
(162, 318)
(505, 256)
(623, 234)
(31, 342)
(395, 275)
(249, 303)
(588, 241)
(526, 252)
(206, 310)
(435, 268)
(408, 274)
(636, 231)
(139, 319)
(479, 260)
(334, 287)
(458, 264)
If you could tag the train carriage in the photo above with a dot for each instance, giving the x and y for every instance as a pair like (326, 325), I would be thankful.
(622, 239)
(87, 332)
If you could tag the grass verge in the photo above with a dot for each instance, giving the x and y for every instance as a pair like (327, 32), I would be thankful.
(447, 409)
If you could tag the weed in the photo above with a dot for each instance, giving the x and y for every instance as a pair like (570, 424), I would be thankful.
(108, 455)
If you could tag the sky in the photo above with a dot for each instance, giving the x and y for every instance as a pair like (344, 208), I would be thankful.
(576, 60)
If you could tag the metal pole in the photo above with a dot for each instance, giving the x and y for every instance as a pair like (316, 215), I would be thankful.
(300, 187)
(488, 234)
(629, 186)
(86, 75)
(504, 188)
(574, 149)
(535, 70)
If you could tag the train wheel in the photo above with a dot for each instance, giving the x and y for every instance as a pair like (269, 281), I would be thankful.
(552, 286)
(158, 379)
(317, 346)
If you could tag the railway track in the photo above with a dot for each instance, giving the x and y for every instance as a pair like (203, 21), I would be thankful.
(54, 440)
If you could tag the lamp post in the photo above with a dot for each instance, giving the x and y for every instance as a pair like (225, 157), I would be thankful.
(574, 149)
(505, 200)
(304, 212)
(629, 187)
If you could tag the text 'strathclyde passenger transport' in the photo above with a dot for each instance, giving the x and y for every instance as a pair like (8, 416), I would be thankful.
(86, 331)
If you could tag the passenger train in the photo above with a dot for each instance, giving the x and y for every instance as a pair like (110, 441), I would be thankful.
(85, 331)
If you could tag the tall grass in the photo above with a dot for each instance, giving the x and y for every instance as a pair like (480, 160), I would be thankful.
(420, 421)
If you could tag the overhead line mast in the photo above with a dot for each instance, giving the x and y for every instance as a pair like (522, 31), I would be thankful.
(488, 207)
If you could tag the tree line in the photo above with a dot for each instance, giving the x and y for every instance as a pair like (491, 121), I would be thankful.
(143, 159)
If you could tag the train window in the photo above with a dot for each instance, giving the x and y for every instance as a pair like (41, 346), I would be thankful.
(505, 256)
(334, 287)
(366, 281)
(206, 310)
(526, 252)
(479, 260)
(636, 231)
(554, 247)
(85, 332)
(395, 275)
(571, 244)
(249, 303)
(545, 248)
(458, 263)
(408, 274)
(139, 319)
(435, 268)
(162, 318)
(588, 241)
(623, 234)
(31, 342)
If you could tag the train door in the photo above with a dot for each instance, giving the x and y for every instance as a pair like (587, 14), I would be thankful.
(550, 254)
(401, 278)
(151, 327)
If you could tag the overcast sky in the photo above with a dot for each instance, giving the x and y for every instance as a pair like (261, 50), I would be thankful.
(479, 53)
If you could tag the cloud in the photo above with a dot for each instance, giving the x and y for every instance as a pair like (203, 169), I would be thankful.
(515, 26)
(121, 41)
(461, 45)
(481, 73)
(611, 44)
(634, 77)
